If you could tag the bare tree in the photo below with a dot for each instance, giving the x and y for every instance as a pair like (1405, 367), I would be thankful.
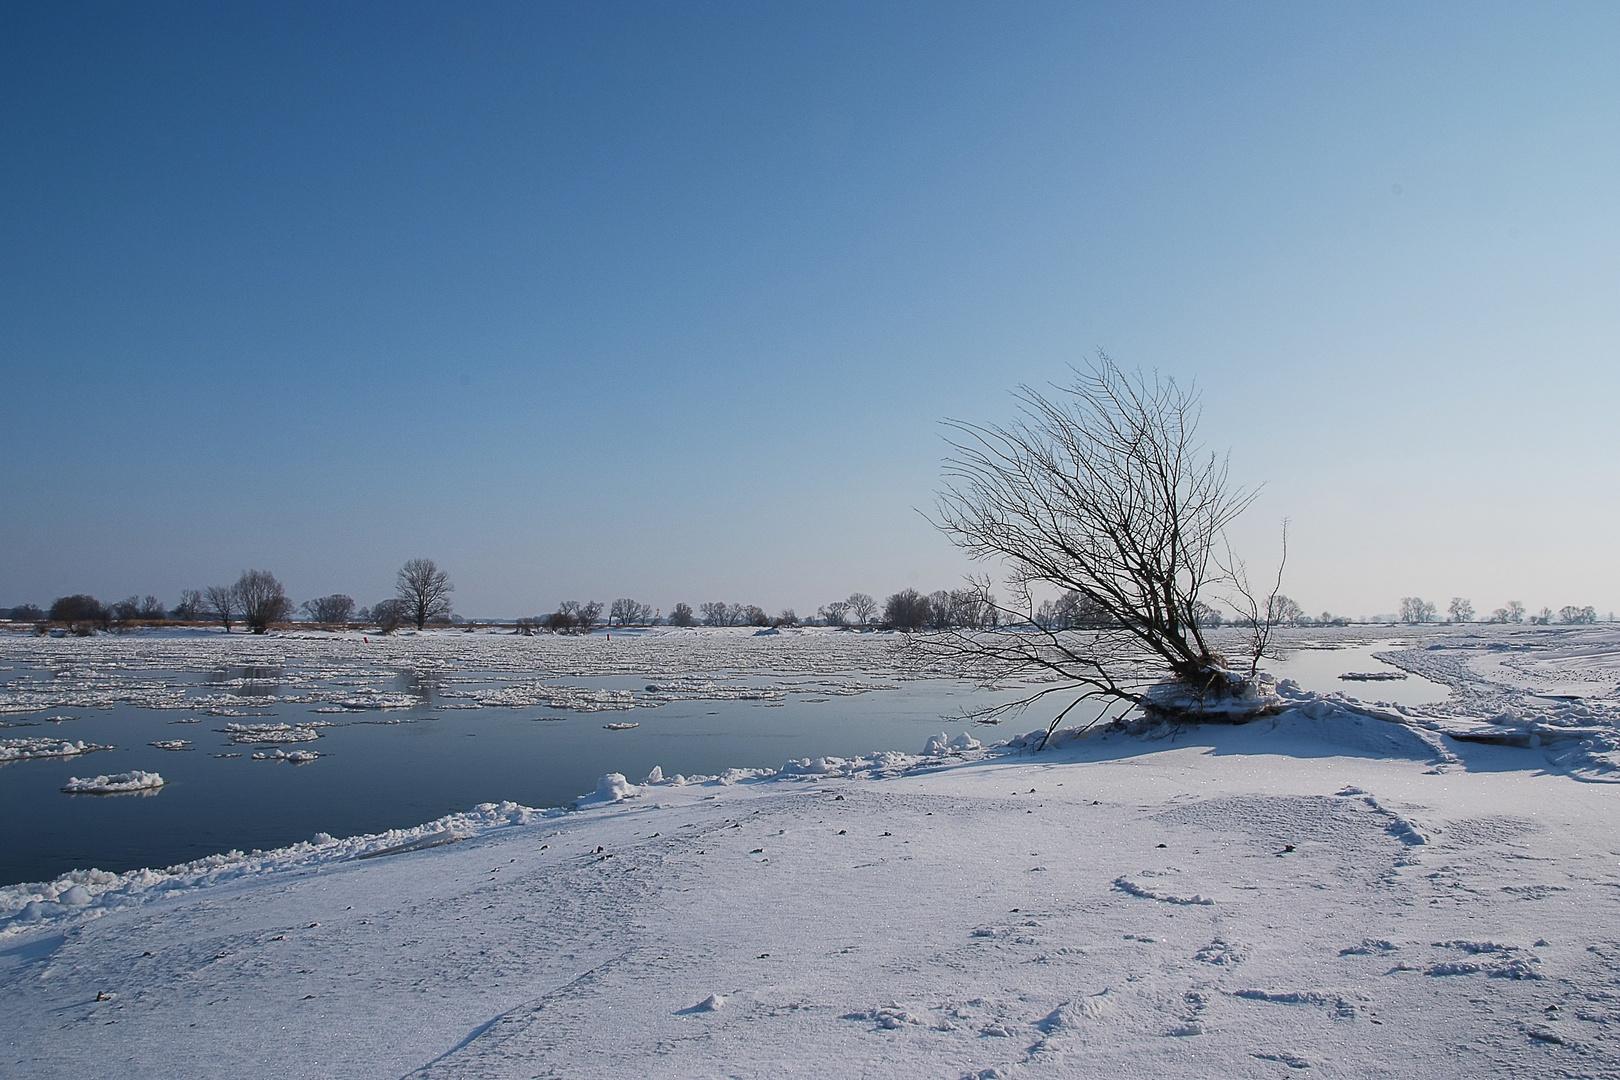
(221, 602)
(425, 591)
(1512, 612)
(336, 608)
(262, 599)
(788, 617)
(1415, 609)
(588, 614)
(190, 607)
(681, 615)
(126, 611)
(833, 614)
(1461, 610)
(1101, 488)
(863, 607)
(1283, 611)
(80, 613)
(627, 612)
(1577, 615)
(714, 613)
(387, 615)
(1258, 613)
(906, 610)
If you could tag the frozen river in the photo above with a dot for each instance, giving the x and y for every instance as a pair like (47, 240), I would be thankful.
(410, 728)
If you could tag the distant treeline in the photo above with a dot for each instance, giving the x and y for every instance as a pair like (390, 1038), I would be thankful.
(421, 598)
(256, 600)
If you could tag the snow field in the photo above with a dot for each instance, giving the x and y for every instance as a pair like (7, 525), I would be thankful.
(1252, 901)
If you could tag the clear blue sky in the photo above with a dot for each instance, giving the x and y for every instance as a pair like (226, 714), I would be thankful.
(667, 300)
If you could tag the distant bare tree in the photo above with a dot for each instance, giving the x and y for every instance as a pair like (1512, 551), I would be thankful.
(786, 618)
(627, 612)
(80, 613)
(1544, 618)
(1513, 612)
(588, 614)
(714, 613)
(863, 607)
(1460, 610)
(152, 610)
(222, 603)
(190, 607)
(1283, 611)
(906, 610)
(334, 609)
(125, 611)
(753, 615)
(425, 591)
(388, 615)
(1102, 488)
(1415, 609)
(1577, 615)
(681, 615)
(263, 601)
(833, 614)
(29, 613)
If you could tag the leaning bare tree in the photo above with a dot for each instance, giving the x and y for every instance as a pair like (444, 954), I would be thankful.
(1100, 489)
(425, 591)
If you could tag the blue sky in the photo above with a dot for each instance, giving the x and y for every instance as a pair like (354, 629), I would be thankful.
(667, 300)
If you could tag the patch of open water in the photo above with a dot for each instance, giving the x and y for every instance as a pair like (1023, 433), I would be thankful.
(1317, 667)
(376, 772)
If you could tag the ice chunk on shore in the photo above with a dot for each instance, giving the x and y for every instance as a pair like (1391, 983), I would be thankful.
(614, 788)
(942, 744)
(116, 784)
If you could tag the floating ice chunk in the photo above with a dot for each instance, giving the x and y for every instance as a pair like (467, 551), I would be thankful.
(116, 784)
(20, 749)
(270, 733)
(297, 757)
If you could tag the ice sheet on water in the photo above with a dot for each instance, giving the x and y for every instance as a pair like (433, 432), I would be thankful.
(23, 749)
(115, 784)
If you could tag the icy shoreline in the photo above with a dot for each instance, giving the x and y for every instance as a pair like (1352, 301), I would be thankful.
(1312, 890)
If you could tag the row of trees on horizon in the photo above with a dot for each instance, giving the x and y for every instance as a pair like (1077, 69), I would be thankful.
(257, 600)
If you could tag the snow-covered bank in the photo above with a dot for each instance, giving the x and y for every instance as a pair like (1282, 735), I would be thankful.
(1352, 897)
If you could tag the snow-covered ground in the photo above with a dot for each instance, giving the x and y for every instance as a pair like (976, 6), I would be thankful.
(1337, 891)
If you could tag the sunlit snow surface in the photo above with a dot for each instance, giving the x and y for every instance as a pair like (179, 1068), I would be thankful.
(1342, 890)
